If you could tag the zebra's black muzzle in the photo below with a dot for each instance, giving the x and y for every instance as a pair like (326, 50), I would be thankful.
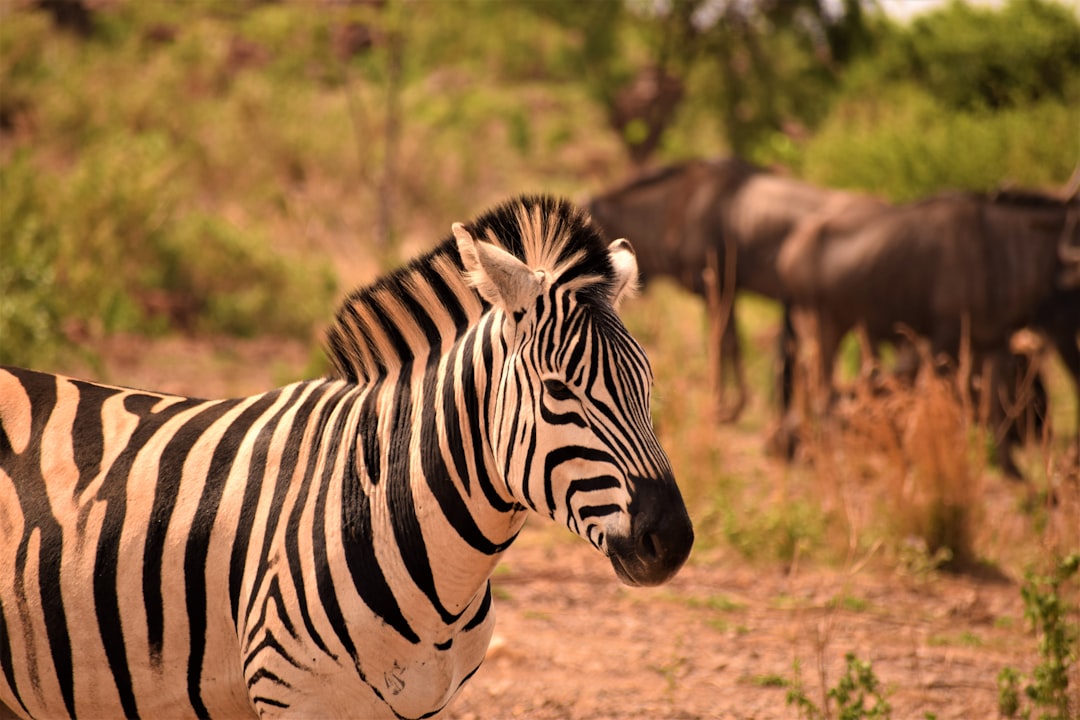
(661, 535)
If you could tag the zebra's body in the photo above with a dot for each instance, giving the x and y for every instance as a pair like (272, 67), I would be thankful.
(322, 550)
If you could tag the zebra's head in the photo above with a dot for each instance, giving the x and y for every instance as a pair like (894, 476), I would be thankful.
(570, 429)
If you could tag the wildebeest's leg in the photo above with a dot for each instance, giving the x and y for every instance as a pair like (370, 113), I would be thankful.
(809, 329)
(786, 354)
(784, 439)
(1001, 455)
(1013, 401)
(731, 349)
(724, 335)
(829, 335)
(1003, 392)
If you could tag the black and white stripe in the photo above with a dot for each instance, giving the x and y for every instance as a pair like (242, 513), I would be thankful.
(323, 549)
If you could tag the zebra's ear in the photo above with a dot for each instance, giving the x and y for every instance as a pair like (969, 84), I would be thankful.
(498, 276)
(626, 270)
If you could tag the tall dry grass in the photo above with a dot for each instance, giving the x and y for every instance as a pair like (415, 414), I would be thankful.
(925, 445)
(908, 463)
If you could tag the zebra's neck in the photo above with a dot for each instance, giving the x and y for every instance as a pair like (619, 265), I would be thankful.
(422, 461)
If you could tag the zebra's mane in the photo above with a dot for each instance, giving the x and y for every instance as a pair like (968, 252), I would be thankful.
(419, 309)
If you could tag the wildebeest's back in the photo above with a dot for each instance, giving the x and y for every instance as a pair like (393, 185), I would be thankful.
(929, 265)
(673, 216)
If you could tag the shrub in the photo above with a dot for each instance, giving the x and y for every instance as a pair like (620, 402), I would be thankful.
(903, 143)
(963, 97)
(110, 248)
(858, 695)
(30, 310)
(1047, 609)
(973, 58)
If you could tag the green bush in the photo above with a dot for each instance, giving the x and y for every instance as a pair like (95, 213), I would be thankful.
(109, 249)
(902, 143)
(1047, 608)
(238, 124)
(858, 694)
(971, 57)
(240, 287)
(112, 217)
(30, 310)
(964, 97)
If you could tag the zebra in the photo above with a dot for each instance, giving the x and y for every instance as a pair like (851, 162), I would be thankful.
(325, 549)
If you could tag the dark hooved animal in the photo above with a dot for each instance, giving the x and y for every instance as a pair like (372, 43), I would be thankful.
(954, 268)
(323, 550)
(698, 214)
(1010, 395)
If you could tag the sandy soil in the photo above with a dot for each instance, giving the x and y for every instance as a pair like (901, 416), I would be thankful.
(722, 638)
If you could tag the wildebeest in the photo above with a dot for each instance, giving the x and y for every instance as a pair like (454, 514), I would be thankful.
(686, 217)
(956, 267)
(1011, 398)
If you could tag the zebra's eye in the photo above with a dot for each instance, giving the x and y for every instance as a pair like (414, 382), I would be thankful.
(558, 390)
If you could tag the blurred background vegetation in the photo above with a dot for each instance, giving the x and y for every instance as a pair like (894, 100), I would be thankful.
(230, 168)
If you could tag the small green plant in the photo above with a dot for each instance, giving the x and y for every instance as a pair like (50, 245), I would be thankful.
(719, 603)
(1047, 609)
(769, 680)
(858, 694)
(962, 639)
(851, 603)
(781, 532)
(916, 560)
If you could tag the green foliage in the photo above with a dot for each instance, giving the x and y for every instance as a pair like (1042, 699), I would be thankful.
(1009, 692)
(250, 135)
(971, 57)
(770, 681)
(778, 532)
(249, 303)
(858, 694)
(110, 220)
(30, 313)
(719, 603)
(902, 143)
(964, 97)
(1047, 609)
(918, 562)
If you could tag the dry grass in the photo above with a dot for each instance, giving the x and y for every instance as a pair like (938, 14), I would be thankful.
(925, 448)
(896, 470)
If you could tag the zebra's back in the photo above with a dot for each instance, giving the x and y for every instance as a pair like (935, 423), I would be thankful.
(119, 513)
(163, 556)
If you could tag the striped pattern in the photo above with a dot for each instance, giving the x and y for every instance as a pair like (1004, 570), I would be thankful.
(323, 549)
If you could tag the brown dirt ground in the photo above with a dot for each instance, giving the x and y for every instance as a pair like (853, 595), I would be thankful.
(719, 641)
(721, 638)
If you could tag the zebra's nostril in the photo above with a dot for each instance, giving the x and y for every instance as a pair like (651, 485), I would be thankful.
(647, 546)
